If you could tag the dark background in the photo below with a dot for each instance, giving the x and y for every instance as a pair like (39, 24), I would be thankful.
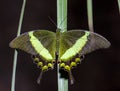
(100, 70)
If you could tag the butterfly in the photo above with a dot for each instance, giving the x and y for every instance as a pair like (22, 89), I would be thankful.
(63, 48)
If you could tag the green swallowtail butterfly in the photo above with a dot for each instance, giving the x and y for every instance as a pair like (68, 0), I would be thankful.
(69, 46)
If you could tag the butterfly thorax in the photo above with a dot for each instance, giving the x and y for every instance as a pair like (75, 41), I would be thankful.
(58, 34)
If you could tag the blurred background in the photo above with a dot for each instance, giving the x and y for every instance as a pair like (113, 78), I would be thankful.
(99, 71)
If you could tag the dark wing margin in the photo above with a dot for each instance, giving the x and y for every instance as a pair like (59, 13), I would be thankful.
(95, 42)
(22, 42)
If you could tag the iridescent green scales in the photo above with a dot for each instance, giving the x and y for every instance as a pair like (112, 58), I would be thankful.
(69, 46)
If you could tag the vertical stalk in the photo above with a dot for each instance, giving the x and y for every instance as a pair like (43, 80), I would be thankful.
(90, 15)
(62, 24)
(119, 5)
(62, 15)
(16, 53)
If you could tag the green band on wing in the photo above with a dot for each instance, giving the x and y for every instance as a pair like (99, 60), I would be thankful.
(76, 48)
(39, 48)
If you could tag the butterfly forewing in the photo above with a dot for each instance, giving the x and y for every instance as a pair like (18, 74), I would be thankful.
(95, 41)
(23, 43)
(80, 42)
(48, 40)
(39, 42)
(68, 44)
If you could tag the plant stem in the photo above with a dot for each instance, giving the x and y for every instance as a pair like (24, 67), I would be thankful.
(119, 5)
(16, 53)
(62, 14)
(90, 15)
(62, 24)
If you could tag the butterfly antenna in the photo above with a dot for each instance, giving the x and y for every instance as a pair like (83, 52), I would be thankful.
(40, 77)
(52, 21)
(71, 78)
